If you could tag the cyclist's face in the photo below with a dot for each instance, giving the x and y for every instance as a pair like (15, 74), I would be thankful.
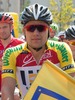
(52, 33)
(36, 33)
(5, 30)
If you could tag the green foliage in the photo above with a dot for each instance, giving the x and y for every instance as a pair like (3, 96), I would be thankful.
(62, 12)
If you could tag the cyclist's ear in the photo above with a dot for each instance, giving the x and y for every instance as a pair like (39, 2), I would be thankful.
(23, 30)
(50, 29)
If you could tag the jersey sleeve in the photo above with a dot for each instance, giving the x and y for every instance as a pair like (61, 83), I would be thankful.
(66, 58)
(9, 64)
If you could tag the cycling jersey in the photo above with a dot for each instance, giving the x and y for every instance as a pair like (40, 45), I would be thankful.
(14, 42)
(19, 62)
(55, 38)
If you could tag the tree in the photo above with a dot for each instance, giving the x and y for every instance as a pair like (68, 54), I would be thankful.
(62, 12)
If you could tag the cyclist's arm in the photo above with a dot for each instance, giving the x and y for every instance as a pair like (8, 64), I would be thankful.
(66, 60)
(8, 75)
(72, 74)
(8, 87)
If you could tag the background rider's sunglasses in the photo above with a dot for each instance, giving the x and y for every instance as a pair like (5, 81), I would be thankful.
(40, 28)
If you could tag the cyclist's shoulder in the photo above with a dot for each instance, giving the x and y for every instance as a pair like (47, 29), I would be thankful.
(18, 40)
(16, 48)
(55, 38)
(58, 46)
(56, 43)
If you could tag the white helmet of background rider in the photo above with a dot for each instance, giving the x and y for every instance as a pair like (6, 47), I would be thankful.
(70, 32)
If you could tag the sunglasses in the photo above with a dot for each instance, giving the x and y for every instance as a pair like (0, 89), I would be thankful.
(40, 28)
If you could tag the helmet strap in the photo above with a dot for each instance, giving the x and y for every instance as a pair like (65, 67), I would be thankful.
(37, 49)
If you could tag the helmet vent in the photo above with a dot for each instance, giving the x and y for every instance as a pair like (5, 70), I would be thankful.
(36, 7)
(41, 8)
(5, 17)
(73, 29)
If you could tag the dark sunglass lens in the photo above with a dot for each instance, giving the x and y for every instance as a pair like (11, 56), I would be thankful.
(41, 28)
(31, 28)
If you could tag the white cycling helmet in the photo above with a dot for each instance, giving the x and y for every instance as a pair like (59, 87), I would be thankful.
(61, 33)
(36, 12)
(70, 32)
(6, 18)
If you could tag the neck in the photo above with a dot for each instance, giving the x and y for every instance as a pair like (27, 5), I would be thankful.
(6, 41)
(37, 54)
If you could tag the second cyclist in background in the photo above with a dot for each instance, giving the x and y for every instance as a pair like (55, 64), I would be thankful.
(53, 32)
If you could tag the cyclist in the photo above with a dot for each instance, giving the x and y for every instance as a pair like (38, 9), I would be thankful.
(6, 39)
(70, 32)
(70, 38)
(53, 32)
(61, 35)
(24, 61)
